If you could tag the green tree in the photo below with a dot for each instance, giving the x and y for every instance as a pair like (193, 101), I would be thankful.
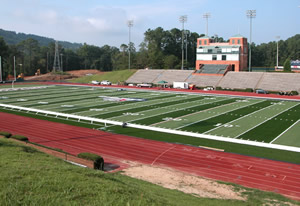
(287, 65)
(30, 55)
(4, 52)
(170, 62)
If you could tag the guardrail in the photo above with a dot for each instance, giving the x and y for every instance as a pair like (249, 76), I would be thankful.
(157, 129)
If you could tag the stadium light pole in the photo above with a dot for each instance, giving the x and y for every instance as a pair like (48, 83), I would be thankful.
(182, 19)
(129, 24)
(277, 37)
(206, 16)
(61, 62)
(47, 62)
(250, 14)
(186, 46)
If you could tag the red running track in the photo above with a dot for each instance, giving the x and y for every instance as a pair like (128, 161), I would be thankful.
(279, 177)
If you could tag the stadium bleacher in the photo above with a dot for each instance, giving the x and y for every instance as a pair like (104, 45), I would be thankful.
(173, 76)
(213, 69)
(240, 80)
(268, 81)
(203, 81)
(280, 82)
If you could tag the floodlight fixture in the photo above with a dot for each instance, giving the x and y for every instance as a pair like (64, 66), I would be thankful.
(207, 16)
(129, 24)
(250, 14)
(182, 19)
(277, 37)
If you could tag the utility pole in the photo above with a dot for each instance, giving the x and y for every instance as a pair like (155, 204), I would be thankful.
(15, 68)
(47, 62)
(186, 46)
(250, 14)
(277, 37)
(182, 19)
(206, 16)
(61, 62)
(129, 24)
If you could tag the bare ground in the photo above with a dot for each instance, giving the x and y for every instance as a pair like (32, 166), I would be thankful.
(70, 75)
(173, 179)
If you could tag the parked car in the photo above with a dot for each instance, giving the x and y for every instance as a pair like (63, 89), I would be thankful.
(105, 82)
(144, 85)
(95, 82)
(261, 91)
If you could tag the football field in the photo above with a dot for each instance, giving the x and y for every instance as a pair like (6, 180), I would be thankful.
(254, 119)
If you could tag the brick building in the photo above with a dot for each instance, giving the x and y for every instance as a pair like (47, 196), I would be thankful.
(215, 58)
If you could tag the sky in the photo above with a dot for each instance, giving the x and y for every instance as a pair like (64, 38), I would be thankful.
(100, 22)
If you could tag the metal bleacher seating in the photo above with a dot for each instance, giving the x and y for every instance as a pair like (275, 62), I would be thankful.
(213, 69)
(173, 76)
(240, 80)
(280, 82)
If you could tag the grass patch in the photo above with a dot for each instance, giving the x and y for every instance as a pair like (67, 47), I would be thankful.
(119, 76)
(20, 138)
(5, 134)
(34, 178)
(98, 160)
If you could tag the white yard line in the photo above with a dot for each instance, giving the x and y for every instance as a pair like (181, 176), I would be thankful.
(240, 118)
(136, 105)
(193, 113)
(285, 131)
(265, 121)
(177, 109)
(217, 114)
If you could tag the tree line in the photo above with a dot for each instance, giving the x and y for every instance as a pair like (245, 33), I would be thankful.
(161, 49)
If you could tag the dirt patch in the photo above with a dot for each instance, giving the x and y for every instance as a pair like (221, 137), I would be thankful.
(69, 75)
(186, 183)
(80, 73)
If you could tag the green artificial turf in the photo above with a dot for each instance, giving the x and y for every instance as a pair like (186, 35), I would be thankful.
(181, 112)
(271, 129)
(209, 124)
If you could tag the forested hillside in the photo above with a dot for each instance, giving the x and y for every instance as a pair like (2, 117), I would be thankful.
(11, 38)
(161, 49)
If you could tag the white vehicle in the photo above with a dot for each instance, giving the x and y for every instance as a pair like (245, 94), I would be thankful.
(95, 82)
(144, 85)
(181, 85)
(208, 89)
(105, 82)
